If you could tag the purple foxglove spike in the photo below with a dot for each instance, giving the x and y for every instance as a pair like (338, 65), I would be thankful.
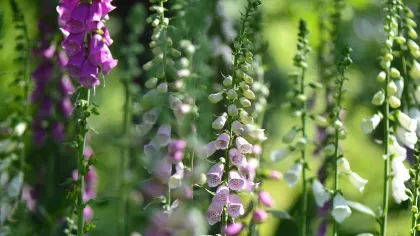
(259, 216)
(66, 85)
(222, 195)
(214, 214)
(108, 65)
(215, 174)
(243, 145)
(73, 44)
(99, 52)
(236, 157)
(236, 181)
(58, 132)
(46, 107)
(65, 11)
(43, 73)
(88, 213)
(39, 137)
(235, 207)
(49, 52)
(95, 11)
(62, 58)
(233, 229)
(222, 142)
(38, 93)
(66, 107)
(89, 75)
(163, 136)
(163, 170)
(266, 199)
(75, 63)
(106, 8)
(88, 152)
(78, 18)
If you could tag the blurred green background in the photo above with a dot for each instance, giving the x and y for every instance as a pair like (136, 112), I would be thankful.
(361, 29)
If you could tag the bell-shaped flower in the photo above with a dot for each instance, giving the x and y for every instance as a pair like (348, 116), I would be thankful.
(216, 97)
(329, 149)
(163, 170)
(251, 186)
(214, 213)
(163, 135)
(408, 138)
(293, 174)
(208, 150)
(406, 122)
(95, 11)
(320, 193)
(415, 70)
(398, 190)
(215, 174)
(143, 128)
(89, 75)
(236, 157)
(281, 154)
(221, 197)
(151, 149)
(237, 127)
(259, 216)
(106, 8)
(266, 199)
(236, 181)
(77, 22)
(400, 171)
(368, 125)
(414, 113)
(220, 122)
(73, 44)
(341, 209)
(151, 116)
(175, 181)
(243, 146)
(222, 142)
(99, 51)
(233, 110)
(394, 148)
(244, 102)
(343, 165)
(244, 117)
(235, 207)
(400, 87)
(357, 181)
(233, 229)
(290, 136)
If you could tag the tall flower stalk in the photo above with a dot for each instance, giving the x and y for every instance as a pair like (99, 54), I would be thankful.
(340, 133)
(235, 124)
(415, 178)
(86, 42)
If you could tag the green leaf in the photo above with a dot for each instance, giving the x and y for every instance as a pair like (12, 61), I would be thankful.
(281, 215)
(361, 208)
(68, 181)
(95, 202)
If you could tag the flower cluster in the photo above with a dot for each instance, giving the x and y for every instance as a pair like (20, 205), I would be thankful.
(51, 95)
(86, 39)
(234, 173)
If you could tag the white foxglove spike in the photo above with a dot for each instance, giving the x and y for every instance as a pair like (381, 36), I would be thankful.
(409, 139)
(394, 148)
(398, 191)
(293, 174)
(370, 124)
(357, 181)
(341, 209)
(320, 193)
(399, 170)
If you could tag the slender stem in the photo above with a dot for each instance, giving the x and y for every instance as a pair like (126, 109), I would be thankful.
(123, 208)
(415, 197)
(387, 159)
(304, 206)
(81, 177)
(336, 146)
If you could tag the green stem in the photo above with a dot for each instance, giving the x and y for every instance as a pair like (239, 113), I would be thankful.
(336, 146)
(81, 177)
(304, 206)
(387, 159)
(122, 210)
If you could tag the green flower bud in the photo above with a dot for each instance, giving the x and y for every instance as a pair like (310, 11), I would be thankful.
(385, 64)
(394, 102)
(388, 57)
(400, 39)
(151, 83)
(301, 98)
(342, 134)
(227, 82)
(290, 136)
(231, 94)
(412, 33)
(148, 66)
(245, 102)
(378, 99)
(249, 94)
(381, 77)
(394, 73)
(391, 88)
(329, 149)
(301, 143)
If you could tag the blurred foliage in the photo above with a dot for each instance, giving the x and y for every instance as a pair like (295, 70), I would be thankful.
(361, 29)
